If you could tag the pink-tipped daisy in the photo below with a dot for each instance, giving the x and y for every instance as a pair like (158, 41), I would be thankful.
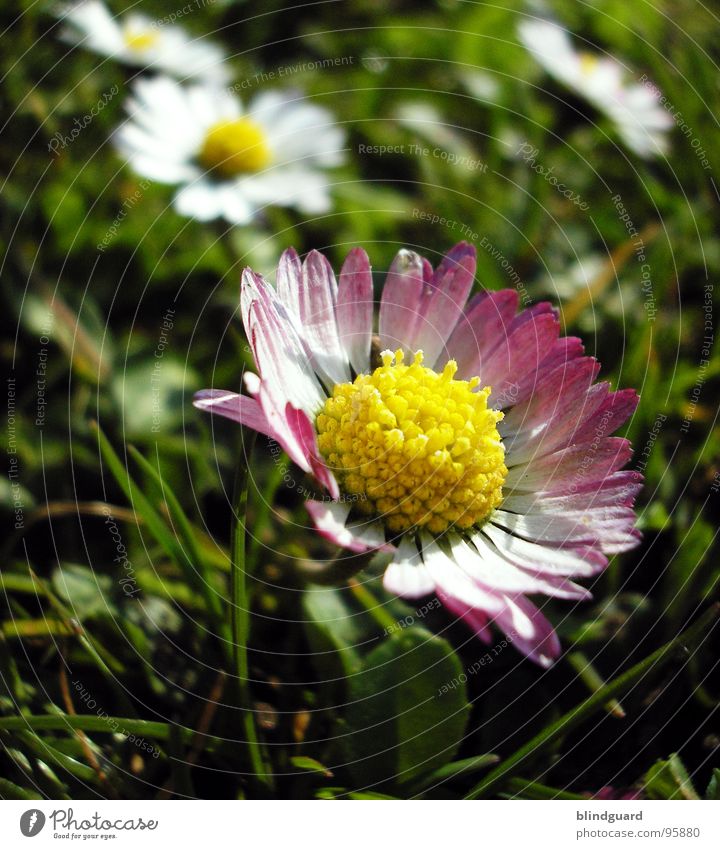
(467, 438)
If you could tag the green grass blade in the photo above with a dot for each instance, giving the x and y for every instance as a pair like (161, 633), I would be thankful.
(154, 521)
(456, 769)
(591, 705)
(137, 499)
(240, 614)
(185, 531)
(10, 790)
(265, 501)
(523, 789)
(45, 752)
(93, 724)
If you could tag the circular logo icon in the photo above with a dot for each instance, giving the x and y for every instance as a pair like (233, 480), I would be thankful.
(32, 822)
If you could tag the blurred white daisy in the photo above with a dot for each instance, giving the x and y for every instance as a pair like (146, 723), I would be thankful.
(230, 162)
(634, 107)
(137, 39)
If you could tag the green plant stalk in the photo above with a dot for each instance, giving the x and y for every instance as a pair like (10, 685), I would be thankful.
(262, 514)
(240, 613)
(593, 681)
(591, 705)
(384, 619)
(93, 724)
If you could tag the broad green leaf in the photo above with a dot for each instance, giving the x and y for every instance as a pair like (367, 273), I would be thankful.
(335, 632)
(86, 592)
(153, 395)
(406, 711)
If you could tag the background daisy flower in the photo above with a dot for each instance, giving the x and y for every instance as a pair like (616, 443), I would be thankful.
(137, 39)
(470, 440)
(230, 162)
(634, 108)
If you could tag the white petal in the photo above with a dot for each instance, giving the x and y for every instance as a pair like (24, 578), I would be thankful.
(583, 561)
(407, 575)
(200, 200)
(453, 580)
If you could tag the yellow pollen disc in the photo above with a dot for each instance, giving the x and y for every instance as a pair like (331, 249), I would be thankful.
(140, 40)
(417, 448)
(235, 147)
(588, 63)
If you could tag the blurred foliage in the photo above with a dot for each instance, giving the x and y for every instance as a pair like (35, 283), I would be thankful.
(116, 309)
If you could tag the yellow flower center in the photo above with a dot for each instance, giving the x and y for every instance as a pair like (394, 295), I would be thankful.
(235, 147)
(588, 63)
(417, 448)
(140, 40)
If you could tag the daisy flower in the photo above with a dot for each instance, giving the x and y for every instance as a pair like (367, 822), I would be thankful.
(139, 40)
(229, 161)
(468, 439)
(634, 108)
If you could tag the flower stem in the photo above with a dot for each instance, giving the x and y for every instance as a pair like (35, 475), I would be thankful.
(240, 615)
(384, 619)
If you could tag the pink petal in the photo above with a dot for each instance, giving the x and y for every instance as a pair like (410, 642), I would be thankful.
(239, 408)
(278, 350)
(529, 631)
(619, 488)
(317, 300)
(486, 319)
(581, 561)
(570, 467)
(563, 351)
(288, 280)
(519, 353)
(330, 519)
(400, 301)
(475, 619)
(290, 434)
(615, 411)
(355, 309)
(443, 303)
(304, 434)
(559, 393)
(560, 429)
(293, 430)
